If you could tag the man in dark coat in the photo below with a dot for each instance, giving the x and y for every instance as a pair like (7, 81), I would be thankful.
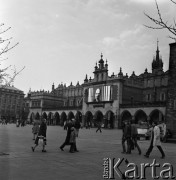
(123, 137)
(134, 134)
(127, 135)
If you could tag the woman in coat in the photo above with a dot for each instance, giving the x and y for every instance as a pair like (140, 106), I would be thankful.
(155, 141)
(41, 135)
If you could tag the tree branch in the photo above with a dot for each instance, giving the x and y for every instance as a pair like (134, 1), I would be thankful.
(162, 24)
(6, 78)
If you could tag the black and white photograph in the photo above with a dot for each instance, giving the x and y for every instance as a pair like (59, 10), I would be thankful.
(87, 89)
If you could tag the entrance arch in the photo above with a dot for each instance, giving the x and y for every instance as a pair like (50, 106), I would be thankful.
(50, 118)
(44, 115)
(109, 121)
(70, 115)
(156, 116)
(57, 118)
(37, 116)
(88, 119)
(140, 116)
(126, 116)
(98, 118)
(32, 117)
(78, 116)
(63, 118)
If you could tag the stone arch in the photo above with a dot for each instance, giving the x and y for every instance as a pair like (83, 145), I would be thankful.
(44, 115)
(98, 118)
(126, 115)
(70, 115)
(88, 119)
(32, 117)
(109, 119)
(156, 115)
(78, 116)
(50, 118)
(63, 118)
(57, 118)
(140, 116)
(37, 116)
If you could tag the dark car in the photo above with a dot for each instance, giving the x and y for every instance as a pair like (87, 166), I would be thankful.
(168, 135)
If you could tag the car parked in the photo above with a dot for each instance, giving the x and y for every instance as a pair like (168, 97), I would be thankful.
(142, 129)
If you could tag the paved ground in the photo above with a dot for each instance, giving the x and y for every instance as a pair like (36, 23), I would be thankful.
(19, 163)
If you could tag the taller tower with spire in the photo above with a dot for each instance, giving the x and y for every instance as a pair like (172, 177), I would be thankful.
(157, 64)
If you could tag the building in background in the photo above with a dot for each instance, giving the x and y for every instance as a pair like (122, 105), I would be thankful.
(112, 99)
(11, 103)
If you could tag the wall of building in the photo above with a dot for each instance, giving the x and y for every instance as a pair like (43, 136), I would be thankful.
(171, 98)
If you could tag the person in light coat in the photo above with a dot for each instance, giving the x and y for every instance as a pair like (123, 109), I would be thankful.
(155, 140)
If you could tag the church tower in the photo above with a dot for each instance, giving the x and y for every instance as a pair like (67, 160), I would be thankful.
(171, 96)
(157, 64)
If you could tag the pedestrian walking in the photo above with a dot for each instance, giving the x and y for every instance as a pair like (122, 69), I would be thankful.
(98, 127)
(134, 134)
(35, 129)
(123, 137)
(17, 123)
(67, 139)
(127, 136)
(155, 140)
(41, 136)
(73, 135)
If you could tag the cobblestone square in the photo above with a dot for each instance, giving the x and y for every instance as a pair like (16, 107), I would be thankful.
(18, 162)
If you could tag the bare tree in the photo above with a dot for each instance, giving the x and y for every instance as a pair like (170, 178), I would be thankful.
(161, 23)
(5, 46)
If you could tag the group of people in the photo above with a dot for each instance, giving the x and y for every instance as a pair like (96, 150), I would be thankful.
(130, 134)
(39, 135)
(20, 123)
(4, 122)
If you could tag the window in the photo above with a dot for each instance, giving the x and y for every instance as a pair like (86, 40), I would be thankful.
(162, 96)
(90, 95)
(78, 103)
(71, 103)
(148, 97)
(148, 83)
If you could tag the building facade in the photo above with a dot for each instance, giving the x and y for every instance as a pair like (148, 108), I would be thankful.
(11, 103)
(111, 99)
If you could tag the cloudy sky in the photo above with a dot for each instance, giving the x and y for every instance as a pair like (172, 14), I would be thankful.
(61, 40)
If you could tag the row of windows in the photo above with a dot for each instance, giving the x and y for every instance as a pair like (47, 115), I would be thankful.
(71, 103)
(35, 104)
(162, 97)
(155, 82)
